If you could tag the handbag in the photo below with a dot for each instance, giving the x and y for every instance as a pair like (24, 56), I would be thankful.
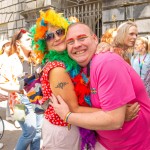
(32, 86)
(19, 112)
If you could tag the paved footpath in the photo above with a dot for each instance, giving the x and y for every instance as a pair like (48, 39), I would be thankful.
(11, 133)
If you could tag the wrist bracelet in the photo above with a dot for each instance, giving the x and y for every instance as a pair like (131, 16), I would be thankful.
(69, 126)
(66, 119)
(67, 116)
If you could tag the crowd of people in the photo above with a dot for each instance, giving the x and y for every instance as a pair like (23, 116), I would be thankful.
(94, 95)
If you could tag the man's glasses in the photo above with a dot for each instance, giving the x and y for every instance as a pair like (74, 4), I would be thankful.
(51, 35)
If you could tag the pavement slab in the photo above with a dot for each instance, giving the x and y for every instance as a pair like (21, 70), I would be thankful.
(11, 133)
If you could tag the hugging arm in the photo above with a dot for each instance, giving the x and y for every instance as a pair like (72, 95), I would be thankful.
(100, 120)
(62, 85)
(61, 108)
(111, 119)
(104, 47)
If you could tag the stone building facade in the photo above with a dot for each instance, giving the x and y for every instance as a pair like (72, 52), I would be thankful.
(117, 11)
(99, 14)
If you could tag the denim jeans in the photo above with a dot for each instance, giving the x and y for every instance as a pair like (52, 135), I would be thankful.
(31, 128)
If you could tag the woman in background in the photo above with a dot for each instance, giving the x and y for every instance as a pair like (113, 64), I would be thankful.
(140, 61)
(20, 62)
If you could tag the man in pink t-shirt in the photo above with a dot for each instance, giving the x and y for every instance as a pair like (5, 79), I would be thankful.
(113, 84)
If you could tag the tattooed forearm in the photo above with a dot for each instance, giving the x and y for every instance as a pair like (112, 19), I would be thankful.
(61, 85)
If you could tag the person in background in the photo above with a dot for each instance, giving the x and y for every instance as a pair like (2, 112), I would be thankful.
(5, 53)
(5, 50)
(114, 84)
(20, 63)
(107, 37)
(140, 61)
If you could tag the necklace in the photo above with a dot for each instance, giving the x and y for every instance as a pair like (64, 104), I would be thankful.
(141, 63)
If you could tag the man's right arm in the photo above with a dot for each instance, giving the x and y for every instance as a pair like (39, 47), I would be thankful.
(111, 120)
(100, 120)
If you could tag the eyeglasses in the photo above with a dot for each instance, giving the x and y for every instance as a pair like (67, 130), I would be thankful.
(51, 35)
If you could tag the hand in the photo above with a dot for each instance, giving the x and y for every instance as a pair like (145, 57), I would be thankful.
(132, 111)
(60, 107)
(104, 47)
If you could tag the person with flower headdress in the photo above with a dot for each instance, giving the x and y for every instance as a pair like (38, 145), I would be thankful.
(20, 63)
(61, 75)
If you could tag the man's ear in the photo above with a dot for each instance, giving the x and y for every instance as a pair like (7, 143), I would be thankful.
(95, 38)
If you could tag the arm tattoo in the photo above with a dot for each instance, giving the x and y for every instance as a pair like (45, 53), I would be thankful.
(61, 85)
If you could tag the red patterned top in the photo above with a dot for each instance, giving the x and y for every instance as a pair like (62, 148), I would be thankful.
(50, 114)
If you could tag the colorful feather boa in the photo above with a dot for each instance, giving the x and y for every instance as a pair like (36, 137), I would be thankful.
(81, 87)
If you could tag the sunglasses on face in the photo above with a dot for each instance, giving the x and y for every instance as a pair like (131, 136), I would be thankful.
(51, 35)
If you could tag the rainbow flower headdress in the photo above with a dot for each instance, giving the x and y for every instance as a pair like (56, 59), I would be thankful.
(50, 17)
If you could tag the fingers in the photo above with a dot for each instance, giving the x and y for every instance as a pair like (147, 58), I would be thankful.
(135, 112)
(106, 49)
(132, 111)
(56, 100)
(59, 105)
(60, 100)
(53, 100)
(133, 105)
(111, 49)
(134, 117)
(102, 47)
(135, 108)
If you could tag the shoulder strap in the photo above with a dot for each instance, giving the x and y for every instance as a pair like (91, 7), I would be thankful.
(88, 70)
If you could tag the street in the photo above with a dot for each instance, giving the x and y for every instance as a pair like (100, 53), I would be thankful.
(11, 133)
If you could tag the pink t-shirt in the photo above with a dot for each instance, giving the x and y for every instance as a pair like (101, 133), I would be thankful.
(113, 84)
